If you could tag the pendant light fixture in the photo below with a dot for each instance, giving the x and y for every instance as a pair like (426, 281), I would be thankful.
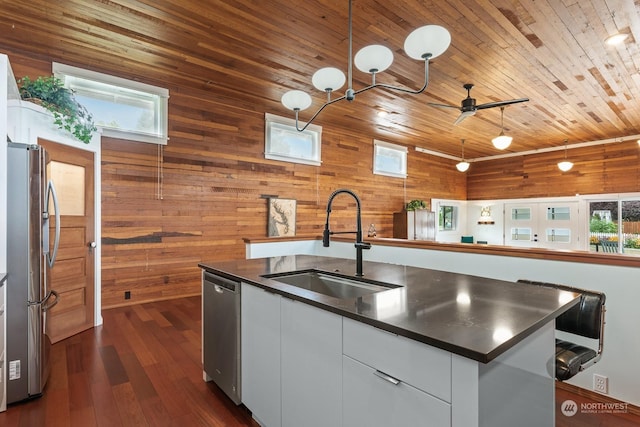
(463, 165)
(501, 141)
(422, 44)
(565, 165)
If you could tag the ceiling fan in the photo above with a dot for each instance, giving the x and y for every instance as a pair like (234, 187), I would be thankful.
(468, 106)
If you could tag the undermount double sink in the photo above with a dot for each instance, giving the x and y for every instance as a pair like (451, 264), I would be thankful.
(330, 284)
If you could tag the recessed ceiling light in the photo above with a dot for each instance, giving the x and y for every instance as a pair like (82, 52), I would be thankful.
(382, 113)
(616, 39)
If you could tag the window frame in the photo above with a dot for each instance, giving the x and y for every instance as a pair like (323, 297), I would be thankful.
(161, 109)
(399, 151)
(442, 214)
(312, 134)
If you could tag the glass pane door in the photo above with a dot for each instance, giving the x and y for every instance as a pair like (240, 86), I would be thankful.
(603, 224)
(630, 227)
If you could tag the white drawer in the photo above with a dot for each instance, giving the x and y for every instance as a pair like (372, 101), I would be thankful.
(424, 367)
(372, 401)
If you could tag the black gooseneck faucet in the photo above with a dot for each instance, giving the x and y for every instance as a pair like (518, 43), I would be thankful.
(360, 245)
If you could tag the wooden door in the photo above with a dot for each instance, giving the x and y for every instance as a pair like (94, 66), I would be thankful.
(72, 276)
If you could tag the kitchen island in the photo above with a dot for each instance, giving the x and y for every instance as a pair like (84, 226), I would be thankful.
(456, 349)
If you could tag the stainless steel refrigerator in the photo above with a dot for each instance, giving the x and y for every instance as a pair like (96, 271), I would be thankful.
(31, 254)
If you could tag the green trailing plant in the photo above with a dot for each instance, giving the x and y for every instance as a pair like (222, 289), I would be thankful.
(68, 114)
(415, 205)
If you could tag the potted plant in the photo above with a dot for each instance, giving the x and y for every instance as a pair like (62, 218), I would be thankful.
(68, 114)
(416, 204)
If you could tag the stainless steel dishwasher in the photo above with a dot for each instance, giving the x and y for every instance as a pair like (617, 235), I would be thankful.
(221, 333)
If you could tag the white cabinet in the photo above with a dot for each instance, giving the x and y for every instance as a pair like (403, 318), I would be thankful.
(260, 338)
(391, 380)
(312, 366)
(291, 361)
(371, 400)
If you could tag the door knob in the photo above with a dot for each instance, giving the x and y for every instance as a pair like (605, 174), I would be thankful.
(92, 244)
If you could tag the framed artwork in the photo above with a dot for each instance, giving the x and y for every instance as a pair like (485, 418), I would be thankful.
(282, 217)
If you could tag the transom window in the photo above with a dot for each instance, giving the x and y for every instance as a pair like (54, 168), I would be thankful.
(283, 141)
(389, 159)
(122, 108)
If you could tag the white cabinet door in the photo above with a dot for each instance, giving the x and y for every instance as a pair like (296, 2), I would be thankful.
(311, 366)
(260, 329)
(372, 400)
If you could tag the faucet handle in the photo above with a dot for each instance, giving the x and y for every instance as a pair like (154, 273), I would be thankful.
(325, 237)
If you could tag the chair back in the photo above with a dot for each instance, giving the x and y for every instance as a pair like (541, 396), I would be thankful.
(609, 246)
(584, 318)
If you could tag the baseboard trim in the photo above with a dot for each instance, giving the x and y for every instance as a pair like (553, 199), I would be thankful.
(596, 397)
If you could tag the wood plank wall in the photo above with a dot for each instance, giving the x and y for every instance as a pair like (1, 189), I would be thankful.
(601, 169)
(214, 180)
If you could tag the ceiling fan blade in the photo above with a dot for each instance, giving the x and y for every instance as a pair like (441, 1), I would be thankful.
(500, 103)
(463, 116)
(443, 105)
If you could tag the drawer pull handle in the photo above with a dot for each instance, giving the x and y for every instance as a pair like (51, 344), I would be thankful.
(387, 378)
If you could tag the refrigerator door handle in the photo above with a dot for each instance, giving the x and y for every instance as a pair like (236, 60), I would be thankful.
(48, 304)
(51, 258)
(45, 303)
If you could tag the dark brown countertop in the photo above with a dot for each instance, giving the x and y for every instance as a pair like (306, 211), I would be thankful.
(475, 317)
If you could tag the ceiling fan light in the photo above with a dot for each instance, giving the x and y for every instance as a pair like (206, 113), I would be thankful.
(296, 100)
(502, 141)
(463, 166)
(429, 39)
(373, 58)
(565, 165)
(328, 79)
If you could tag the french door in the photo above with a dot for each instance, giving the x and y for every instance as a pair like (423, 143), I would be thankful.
(542, 225)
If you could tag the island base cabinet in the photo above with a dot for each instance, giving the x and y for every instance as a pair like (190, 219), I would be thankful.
(311, 366)
(373, 399)
(260, 338)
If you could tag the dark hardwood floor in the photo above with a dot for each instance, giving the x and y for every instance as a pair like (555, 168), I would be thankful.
(143, 368)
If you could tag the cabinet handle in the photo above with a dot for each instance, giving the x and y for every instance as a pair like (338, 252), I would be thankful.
(386, 377)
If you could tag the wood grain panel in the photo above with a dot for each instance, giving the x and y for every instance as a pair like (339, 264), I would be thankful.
(214, 175)
(245, 54)
(613, 168)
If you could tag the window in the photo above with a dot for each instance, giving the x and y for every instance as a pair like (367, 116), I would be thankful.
(521, 214)
(283, 141)
(447, 218)
(122, 108)
(616, 221)
(389, 159)
(521, 233)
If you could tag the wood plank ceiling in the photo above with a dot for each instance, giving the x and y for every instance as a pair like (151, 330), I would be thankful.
(250, 52)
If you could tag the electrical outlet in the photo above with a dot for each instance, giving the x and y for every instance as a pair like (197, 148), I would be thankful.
(600, 384)
(127, 294)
